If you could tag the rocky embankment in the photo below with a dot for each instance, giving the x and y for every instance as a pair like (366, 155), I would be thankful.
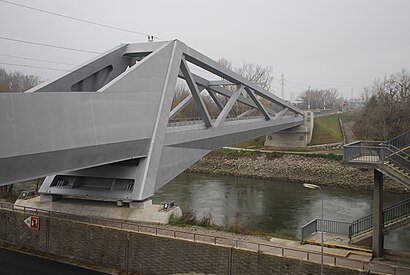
(290, 168)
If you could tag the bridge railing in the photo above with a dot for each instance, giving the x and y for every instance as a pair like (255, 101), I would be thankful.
(199, 120)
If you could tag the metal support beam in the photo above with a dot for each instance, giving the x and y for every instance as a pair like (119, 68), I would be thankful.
(215, 99)
(377, 243)
(257, 103)
(247, 112)
(228, 106)
(281, 113)
(184, 103)
(195, 93)
(220, 83)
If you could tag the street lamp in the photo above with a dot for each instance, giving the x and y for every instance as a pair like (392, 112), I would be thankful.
(314, 186)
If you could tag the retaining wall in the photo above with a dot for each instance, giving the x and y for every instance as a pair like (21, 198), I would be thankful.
(130, 251)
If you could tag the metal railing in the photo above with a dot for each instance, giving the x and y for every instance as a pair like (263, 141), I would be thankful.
(400, 141)
(361, 226)
(393, 213)
(399, 159)
(364, 151)
(329, 226)
(396, 212)
(199, 120)
(380, 152)
(271, 249)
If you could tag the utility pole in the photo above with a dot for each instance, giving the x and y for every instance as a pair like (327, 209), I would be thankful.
(282, 82)
(308, 98)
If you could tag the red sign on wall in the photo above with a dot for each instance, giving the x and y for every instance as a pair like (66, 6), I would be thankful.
(33, 222)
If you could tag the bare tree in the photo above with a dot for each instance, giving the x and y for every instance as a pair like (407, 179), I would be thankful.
(320, 99)
(17, 81)
(386, 112)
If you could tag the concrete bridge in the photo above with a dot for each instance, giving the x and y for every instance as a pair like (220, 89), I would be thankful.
(106, 130)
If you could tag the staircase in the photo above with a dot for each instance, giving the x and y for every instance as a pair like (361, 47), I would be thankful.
(394, 217)
(392, 157)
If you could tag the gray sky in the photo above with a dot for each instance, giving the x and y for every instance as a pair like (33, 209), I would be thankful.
(323, 43)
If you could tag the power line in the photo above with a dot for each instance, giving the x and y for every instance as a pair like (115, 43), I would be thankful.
(46, 45)
(35, 67)
(323, 80)
(78, 19)
(35, 59)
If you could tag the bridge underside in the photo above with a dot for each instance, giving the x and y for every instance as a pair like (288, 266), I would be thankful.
(107, 131)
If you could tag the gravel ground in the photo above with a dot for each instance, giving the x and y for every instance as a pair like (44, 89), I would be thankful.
(291, 168)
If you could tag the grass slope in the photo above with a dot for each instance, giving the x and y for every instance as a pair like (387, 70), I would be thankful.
(326, 130)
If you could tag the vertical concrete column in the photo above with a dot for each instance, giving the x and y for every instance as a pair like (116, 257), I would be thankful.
(377, 244)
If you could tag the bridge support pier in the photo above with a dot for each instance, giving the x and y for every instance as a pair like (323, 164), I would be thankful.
(377, 242)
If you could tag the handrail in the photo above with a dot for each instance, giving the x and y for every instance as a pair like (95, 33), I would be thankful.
(311, 256)
(401, 140)
(378, 152)
(360, 226)
(199, 120)
(329, 226)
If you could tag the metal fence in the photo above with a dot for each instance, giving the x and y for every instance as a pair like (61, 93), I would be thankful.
(329, 226)
(271, 249)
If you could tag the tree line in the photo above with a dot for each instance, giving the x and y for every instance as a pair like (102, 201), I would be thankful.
(17, 81)
(386, 112)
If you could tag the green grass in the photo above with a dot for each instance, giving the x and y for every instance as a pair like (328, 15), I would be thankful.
(252, 143)
(326, 130)
(189, 218)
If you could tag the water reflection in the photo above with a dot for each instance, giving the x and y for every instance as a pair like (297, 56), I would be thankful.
(272, 205)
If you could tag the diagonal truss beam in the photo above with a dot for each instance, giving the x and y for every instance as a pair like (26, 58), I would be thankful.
(215, 99)
(222, 116)
(214, 67)
(184, 103)
(257, 103)
(281, 113)
(195, 93)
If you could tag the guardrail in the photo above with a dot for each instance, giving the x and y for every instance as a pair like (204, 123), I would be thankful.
(360, 226)
(306, 255)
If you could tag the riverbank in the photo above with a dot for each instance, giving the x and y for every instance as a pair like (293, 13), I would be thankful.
(325, 170)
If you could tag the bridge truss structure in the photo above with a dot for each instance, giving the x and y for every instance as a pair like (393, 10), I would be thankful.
(106, 130)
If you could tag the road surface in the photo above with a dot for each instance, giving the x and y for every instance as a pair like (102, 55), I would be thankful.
(16, 263)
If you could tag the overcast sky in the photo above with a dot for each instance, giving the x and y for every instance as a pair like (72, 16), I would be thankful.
(323, 43)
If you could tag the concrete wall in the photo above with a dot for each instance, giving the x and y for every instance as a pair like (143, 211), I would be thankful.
(142, 253)
(295, 137)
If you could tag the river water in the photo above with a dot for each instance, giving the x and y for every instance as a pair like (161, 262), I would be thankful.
(272, 205)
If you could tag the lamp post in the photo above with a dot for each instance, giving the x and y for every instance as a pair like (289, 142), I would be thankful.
(314, 186)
